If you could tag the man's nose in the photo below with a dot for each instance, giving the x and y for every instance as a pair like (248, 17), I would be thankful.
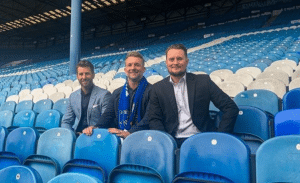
(176, 61)
(132, 67)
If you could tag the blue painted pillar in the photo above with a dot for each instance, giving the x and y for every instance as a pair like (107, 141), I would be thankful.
(75, 35)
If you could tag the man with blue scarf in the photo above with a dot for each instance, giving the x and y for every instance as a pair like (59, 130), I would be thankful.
(127, 110)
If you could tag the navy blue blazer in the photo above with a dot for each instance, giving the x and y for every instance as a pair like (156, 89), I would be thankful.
(98, 102)
(163, 112)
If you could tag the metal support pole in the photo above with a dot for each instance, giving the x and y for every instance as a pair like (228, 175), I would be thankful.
(75, 35)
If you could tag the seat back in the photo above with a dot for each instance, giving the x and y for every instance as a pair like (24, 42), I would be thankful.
(44, 165)
(42, 105)
(57, 96)
(24, 118)
(101, 143)
(150, 148)
(216, 153)
(22, 142)
(47, 120)
(2, 97)
(74, 177)
(9, 105)
(190, 177)
(291, 100)
(252, 120)
(6, 118)
(277, 160)
(61, 105)
(274, 85)
(57, 143)
(20, 174)
(287, 122)
(263, 99)
(135, 173)
(3, 135)
(24, 105)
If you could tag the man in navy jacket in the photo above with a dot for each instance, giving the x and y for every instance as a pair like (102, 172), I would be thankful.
(179, 104)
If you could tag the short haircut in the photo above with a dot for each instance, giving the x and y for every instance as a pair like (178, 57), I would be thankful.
(85, 63)
(178, 47)
(135, 54)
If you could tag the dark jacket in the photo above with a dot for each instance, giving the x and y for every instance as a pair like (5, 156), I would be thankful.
(163, 112)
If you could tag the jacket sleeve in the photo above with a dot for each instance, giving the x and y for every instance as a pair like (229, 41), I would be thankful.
(69, 117)
(155, 112)
(107, 117)
(226, 105)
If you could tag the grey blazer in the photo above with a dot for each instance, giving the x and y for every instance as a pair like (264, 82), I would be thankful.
(98, 102)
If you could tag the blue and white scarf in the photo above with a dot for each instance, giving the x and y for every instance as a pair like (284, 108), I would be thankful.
(125, 120)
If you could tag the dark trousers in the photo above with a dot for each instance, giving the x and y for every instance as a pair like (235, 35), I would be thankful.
(179, 141)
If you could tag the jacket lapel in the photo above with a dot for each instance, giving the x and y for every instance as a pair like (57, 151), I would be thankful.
(190, 81)
(171, 95)
(77, 98)
(91, 103)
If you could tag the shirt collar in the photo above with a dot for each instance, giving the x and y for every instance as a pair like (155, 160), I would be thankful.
(183, 79)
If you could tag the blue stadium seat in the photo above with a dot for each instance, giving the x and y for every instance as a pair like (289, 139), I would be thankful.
(54, 149)
(57, 140)
(190, 177)
(9, 105)
(8, 159)
(24, 105)
(287, 122)
(134, 173)
(24, 118)
(2, 98)
(216, 153)
(47, 120)
(277, 160)
(253, 125)
(3, 135)
(151, 149)
(19, 174)
(291, 100)
(102, 143)
(262, 99)
(42, 105)
(86, 167)
(6, 118)
(22, 142)
(74, 177)
(47, 167)
(61, 105)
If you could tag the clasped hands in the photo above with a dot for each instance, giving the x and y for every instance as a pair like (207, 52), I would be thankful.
(120, 133)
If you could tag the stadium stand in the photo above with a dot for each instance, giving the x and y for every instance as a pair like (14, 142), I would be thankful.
(251, 55)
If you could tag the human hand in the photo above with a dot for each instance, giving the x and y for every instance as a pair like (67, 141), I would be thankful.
(88, 131)
(118, 132)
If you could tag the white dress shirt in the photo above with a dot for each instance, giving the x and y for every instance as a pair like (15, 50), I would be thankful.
(186, 126)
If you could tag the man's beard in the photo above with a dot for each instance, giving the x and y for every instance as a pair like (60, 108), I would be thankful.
(89, 83)
(136, 79)
(179, 74)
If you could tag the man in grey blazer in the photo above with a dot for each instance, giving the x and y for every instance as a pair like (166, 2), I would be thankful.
(86, 104)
